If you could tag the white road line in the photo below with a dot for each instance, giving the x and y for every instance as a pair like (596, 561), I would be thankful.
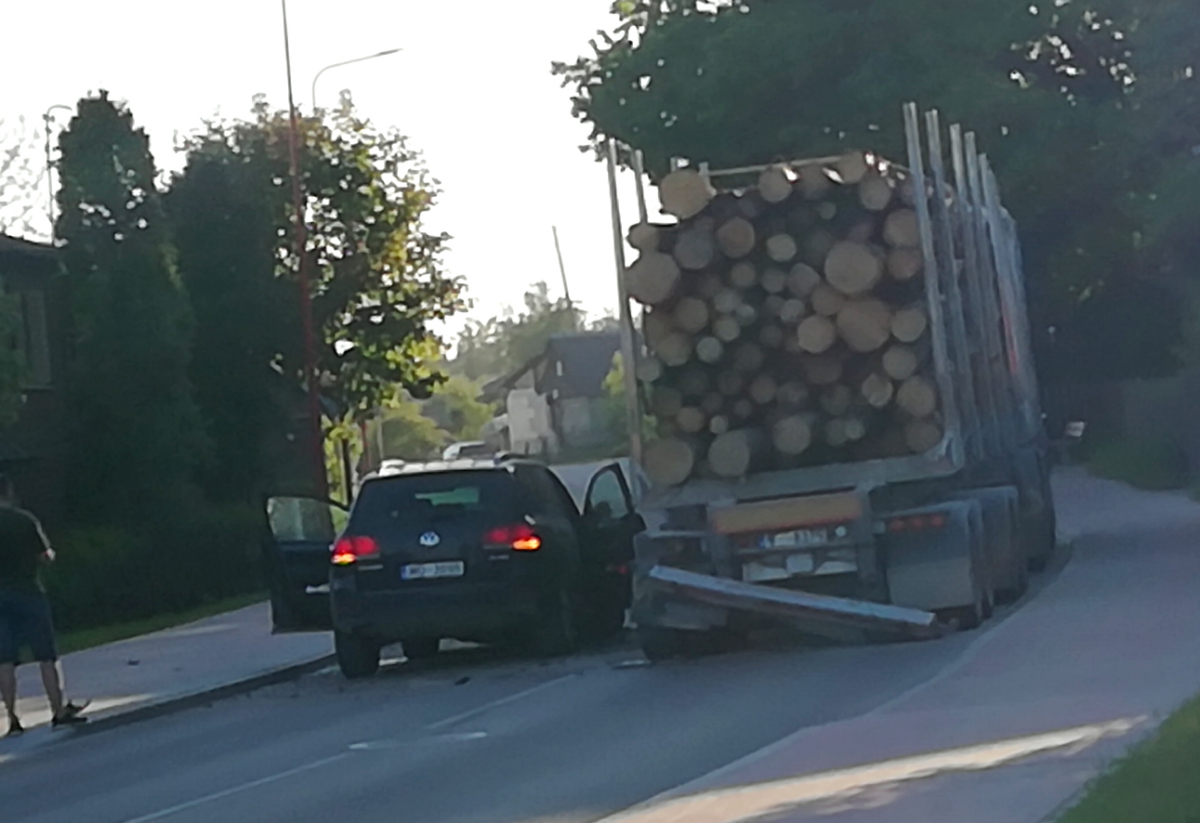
(495, 704)
(253, 784)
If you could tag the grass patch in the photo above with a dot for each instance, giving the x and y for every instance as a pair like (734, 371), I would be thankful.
(88, 638)
(1156, 783)
(1151, 465)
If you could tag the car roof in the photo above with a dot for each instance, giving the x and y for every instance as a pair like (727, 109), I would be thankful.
(400, 468)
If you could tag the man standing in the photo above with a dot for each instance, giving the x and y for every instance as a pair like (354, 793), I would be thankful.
(25, 612)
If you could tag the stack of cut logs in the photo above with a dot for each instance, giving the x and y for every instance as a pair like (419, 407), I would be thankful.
(786, 322)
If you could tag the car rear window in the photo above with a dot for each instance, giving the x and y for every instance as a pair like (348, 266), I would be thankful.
(430, 498)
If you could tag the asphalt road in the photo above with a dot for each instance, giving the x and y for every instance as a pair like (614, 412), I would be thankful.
(469, 738)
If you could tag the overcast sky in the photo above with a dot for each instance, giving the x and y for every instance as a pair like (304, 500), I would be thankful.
(472, 88)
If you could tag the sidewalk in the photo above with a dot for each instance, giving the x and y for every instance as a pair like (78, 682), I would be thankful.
(141, 675)
(1039, 705)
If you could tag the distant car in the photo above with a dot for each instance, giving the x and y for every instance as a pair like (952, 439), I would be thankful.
(492, 551)
(471, 448)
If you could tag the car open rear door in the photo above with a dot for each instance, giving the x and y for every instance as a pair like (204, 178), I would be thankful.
(610, 522)
(302, 531)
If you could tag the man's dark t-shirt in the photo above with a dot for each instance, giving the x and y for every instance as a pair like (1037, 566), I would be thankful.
(22, 545)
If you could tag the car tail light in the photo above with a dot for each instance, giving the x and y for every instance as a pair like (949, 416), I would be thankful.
(349, 550)
(916, 523)
(519, 537)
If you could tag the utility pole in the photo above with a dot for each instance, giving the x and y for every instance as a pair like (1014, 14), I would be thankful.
(316, 437)
(562, 270)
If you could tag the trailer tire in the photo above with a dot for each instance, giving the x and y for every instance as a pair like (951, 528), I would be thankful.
(1017, 539)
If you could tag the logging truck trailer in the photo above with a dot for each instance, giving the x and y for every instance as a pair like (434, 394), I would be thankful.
(910, 545)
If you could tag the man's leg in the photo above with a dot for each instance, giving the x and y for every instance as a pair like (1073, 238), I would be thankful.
(8, 688)
(8, 660)
(52, 680)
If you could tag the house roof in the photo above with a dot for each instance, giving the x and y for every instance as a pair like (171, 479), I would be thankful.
(26, 255)
(586, 359)
(29, 248)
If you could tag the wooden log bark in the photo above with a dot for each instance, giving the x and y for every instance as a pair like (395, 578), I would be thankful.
(909, 324)
(902, 230)
(675, 349)
(917, 397)
(878, 390)
(875, 192)
(827, 301)
(726, 328)
(835, 433)
(852, 167)
(791, 435)
(713, 403)
(726, 301)
(792, 311)
(748, 358)
(853, 268)
(813, 182)
(900, 363)
(771, 336)
(669, 462)
(718, 424)
(922, 435)
(743, 275)
(685, 193)
(855, 429)
(905, 264)
(695, 247)
(709, 350)
(656, 326)
(653, 278)
(822, 371)
(707, 286)
(665, 402)
(743, 409)
(827, 210)
(647, 237)
(694, 382)
(782, 247)
(746, 315)
(793, 396)
(803, 280)
(817, 248)
(730, 383)
(734, 453)
(691, 315)
(774, 281)
(775, 184)
(736, 238)
(816, 334)
(649, 369)
(836, 399)
(773, 305)
(691, 420)
(763, 389)
(863, 231)
(865, 325)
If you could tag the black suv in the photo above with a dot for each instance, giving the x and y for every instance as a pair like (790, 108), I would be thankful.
(492, 551)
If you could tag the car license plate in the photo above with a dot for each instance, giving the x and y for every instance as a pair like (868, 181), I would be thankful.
(430, 571)
(801, 539)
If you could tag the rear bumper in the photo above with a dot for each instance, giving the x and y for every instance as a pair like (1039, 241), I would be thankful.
(473, 612)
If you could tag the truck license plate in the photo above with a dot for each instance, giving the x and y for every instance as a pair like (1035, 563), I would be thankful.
(429, 571)
(800, 539)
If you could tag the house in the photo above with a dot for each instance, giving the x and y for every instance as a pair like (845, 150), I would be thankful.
(557, 400)
(33, 451)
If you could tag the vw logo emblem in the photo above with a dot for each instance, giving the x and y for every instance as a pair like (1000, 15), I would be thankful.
(430, 539)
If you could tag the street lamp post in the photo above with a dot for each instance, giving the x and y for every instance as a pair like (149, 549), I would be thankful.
(46, 119)
(313, 90)
(306, 313)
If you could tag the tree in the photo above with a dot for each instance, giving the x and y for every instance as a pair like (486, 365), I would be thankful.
(135, 428)
(377, 277)
(1082, 108)
(456, 409)
(22, 175)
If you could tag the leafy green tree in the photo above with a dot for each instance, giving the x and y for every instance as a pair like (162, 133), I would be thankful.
(135, 428)
(456, 409)
(376, 275)
(505, 343)
(1083, 108)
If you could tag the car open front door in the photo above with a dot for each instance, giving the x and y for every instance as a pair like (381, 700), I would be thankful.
(610, 523)
(302, 531)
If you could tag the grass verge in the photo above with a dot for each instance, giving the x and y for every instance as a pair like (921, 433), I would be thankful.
(1156, 783)
(88, 638)
(1151, 465)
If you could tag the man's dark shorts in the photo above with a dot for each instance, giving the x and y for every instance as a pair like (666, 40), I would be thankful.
(25, 621)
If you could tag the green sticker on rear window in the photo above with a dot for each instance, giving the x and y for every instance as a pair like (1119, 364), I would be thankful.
(462, 496)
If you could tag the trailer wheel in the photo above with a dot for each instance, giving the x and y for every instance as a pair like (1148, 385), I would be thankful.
(659, 643)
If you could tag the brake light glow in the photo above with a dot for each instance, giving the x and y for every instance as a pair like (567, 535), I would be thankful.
(349, 550)
(519, 537)
(916, 523)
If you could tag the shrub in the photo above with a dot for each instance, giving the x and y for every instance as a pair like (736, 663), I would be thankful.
(1155, 465)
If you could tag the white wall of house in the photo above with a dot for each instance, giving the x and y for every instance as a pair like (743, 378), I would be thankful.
(529, 427)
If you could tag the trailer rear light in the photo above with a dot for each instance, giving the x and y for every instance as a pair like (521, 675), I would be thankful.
(519, 537)
(916, 523)
(349, 550)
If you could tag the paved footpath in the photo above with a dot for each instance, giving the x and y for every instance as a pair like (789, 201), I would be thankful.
(1040, 705)
(135, 677)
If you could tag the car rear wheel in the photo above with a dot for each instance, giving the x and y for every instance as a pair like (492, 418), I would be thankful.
(556, 633)
(420, 648)
(357, 656)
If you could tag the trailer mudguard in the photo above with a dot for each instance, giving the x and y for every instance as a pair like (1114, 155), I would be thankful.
(1008, 563)
(936, 568)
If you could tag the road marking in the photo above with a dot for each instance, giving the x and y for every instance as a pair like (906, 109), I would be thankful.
(398, 743)
(253, 784)
(495, 704)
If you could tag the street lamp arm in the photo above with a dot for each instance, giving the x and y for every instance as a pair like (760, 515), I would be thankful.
(313, 90)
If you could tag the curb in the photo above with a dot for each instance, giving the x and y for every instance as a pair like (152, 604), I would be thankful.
(178, 703)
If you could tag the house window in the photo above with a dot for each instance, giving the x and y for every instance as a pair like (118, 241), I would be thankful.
(35, 340)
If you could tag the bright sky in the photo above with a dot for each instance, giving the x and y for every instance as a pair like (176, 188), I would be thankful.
(472, 89)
